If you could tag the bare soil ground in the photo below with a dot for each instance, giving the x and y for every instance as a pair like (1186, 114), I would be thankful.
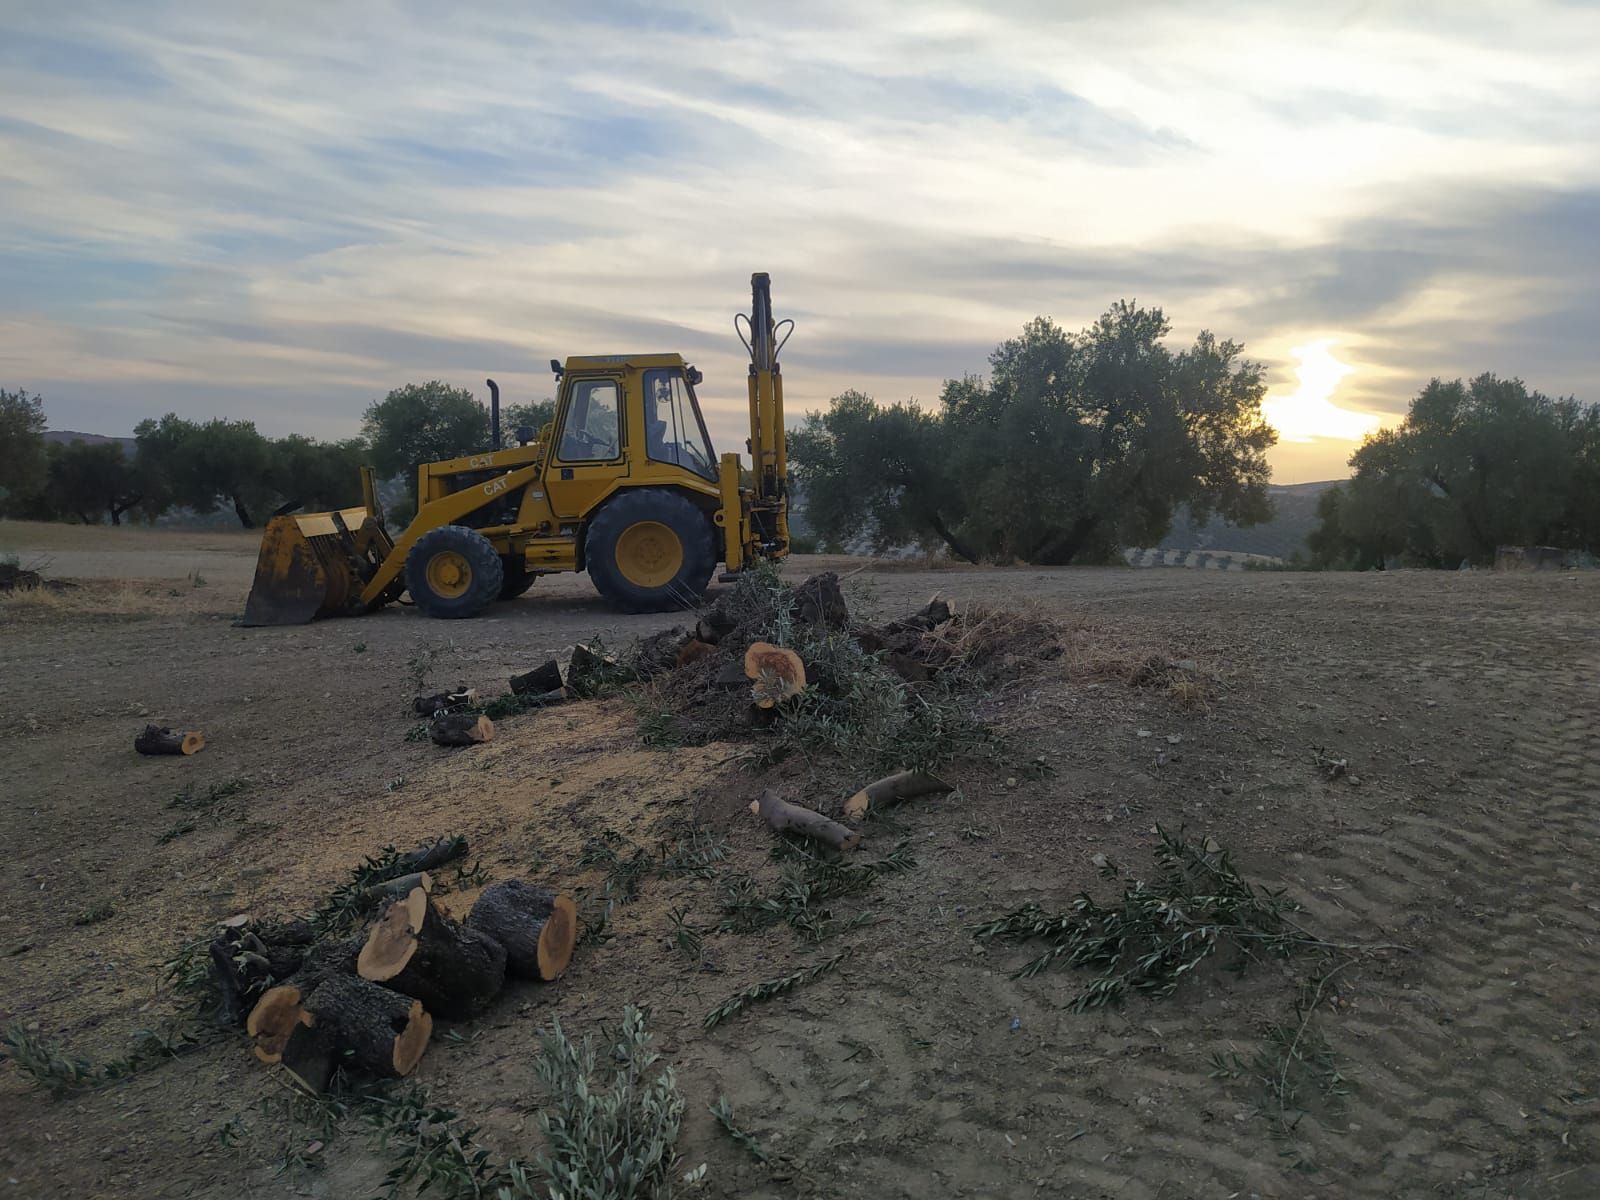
(1465, 829)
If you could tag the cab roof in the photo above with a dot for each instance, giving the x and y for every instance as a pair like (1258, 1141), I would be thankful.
(610, 362)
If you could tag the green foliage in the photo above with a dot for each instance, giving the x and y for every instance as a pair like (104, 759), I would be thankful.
(432, 1148)
(1158, 932)
(204, 466)
(316, 475)
(91, 481)
(723, 1112)
(534, 416)
(811, 877)
(52, 1067)
(1473, 466)
(349, 903)
(425, 422)
(612, 1132)
(94, 914)
(1075, 446)
(766, 990)
(22, 448)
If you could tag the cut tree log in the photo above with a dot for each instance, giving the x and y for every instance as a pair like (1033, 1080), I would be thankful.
(542, 679)
(785, 817)
(461, 729)
(393, 888)
(274, 1019)
(310, 1056)
(325, 960)
(777, 673)
(158, 739)
(434, 702)
(892, 789)
(538, 926)
(416, 949)
(434, 855)
(382, 1032)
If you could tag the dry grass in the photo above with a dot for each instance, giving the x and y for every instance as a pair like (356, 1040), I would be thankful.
(109, 598)
(21, 537)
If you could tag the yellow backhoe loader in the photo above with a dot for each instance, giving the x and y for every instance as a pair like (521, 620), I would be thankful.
(623, 483)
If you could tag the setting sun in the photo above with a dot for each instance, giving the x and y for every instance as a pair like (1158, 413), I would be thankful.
(1308, 412)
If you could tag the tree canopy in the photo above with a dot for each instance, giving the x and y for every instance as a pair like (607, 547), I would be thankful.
(425, 422)
(1076, 445)
(1473, 466)
(22, 453)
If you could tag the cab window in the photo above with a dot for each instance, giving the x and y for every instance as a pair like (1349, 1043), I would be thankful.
(590, 431)
(673, 432)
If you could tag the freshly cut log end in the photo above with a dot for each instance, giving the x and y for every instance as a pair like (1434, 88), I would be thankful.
(393, 939)
(539, 681)
(382, 1032)
(158, 739)
(785, 817)
(778, 673)
(416, 949)
(538, 927)
(892, 789)
(461, 729)
(274, 1019)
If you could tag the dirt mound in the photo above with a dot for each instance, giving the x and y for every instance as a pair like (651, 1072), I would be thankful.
(713, 682)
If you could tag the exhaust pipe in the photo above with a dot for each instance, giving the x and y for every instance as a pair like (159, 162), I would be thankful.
(494, 415)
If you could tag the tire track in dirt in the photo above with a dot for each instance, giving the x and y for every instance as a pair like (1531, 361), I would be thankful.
(1465, 1049)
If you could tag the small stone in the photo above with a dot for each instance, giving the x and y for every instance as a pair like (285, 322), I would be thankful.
(1011, 781)
(1144, 733)
(1101, 861)
(1174, 738)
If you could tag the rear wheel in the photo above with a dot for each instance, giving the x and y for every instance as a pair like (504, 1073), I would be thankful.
(650, 550)
(453, 572)
(516, 579)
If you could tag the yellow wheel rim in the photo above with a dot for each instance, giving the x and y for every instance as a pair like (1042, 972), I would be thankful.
(449, 574)
(649, 554)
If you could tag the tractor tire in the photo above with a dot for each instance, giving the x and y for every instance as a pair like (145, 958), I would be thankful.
(453, 572)
(650, 550)
(517, 579)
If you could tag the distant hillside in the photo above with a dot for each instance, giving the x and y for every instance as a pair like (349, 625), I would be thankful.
(1294, 515)
(65, 436)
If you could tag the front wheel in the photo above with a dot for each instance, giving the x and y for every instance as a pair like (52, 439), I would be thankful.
(650, 550)
(516, 580)
(453, 572)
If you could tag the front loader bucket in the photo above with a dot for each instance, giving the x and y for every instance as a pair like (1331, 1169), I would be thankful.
(315, 565)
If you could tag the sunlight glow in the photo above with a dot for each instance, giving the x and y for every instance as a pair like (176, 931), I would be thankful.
(1307, 412)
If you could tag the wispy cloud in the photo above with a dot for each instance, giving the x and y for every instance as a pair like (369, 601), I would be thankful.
(285, 212)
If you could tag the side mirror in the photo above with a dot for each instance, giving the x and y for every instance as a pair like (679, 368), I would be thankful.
(694, 376)
(556, 368)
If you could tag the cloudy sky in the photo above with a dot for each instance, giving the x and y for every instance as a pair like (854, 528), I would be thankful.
(281, 211)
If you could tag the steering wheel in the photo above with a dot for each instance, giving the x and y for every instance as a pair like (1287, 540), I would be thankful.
(589, 441)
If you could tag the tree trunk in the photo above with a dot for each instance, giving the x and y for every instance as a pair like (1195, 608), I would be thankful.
(537, 925)
(962, 550)
(783, 816)
(539, 681)
(433, 856)
(242, 513)
(461, 729)
(416, 949)
(158, 739)
(382, 1032)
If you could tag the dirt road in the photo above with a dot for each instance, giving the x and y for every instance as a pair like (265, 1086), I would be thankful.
(1463, 828)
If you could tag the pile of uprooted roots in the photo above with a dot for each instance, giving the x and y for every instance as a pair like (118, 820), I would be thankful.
(790, 665)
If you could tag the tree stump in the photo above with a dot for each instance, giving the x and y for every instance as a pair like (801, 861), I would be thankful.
(776, 673)
(542, 679)
(461, 729)
(382, 1032)
(158, 739)
(537, 925)
(416, 949)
